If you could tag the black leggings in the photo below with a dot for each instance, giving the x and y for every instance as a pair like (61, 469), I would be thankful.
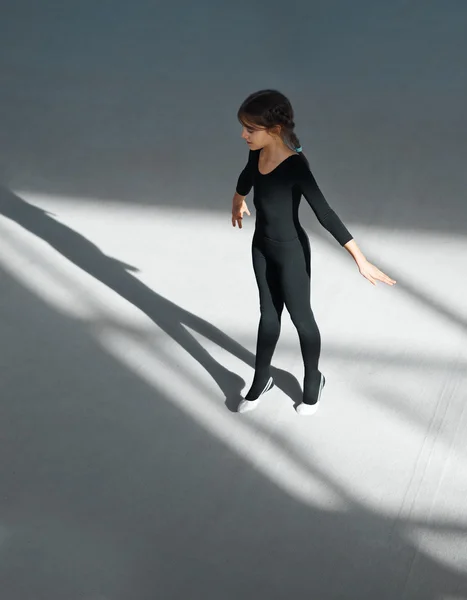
(282, 271)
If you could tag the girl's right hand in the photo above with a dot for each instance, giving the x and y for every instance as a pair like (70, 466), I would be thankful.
(237, 213)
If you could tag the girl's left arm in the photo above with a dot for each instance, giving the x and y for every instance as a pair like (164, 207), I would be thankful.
(330, 221)
(324, 213)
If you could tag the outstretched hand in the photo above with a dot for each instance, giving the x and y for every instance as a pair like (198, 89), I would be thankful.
(373, 274)
(237, 213)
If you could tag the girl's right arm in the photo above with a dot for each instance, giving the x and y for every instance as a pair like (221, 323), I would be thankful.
(244, 185)
(238, 208)
(245, 180)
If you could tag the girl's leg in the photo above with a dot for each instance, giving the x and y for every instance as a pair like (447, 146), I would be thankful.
(296, 284)
(271, 306)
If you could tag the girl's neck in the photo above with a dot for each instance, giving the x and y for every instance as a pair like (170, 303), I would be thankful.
(276, 151)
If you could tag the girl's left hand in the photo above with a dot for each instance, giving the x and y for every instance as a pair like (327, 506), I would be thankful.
(373, 274)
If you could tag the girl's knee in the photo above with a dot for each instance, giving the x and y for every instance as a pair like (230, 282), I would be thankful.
(306, 327)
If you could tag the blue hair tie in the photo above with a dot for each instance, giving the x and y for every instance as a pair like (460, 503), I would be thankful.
(299, 149)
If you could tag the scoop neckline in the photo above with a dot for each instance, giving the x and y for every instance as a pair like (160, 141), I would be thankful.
(276, 167)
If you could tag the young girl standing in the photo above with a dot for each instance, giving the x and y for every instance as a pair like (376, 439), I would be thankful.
(280, 175)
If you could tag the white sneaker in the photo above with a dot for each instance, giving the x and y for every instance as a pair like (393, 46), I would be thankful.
(247, 405)
(306, 410)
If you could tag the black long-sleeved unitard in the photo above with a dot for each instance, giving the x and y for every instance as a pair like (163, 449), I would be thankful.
(281, 261)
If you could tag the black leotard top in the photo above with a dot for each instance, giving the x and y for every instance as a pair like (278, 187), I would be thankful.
(277, 198)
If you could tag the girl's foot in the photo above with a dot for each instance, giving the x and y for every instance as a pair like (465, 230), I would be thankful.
(307, 410)
(247, 405)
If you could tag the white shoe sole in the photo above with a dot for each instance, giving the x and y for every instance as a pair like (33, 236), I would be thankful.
(306, 410)
(248, 405)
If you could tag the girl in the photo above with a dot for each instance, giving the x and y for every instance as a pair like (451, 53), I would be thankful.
(280, 175)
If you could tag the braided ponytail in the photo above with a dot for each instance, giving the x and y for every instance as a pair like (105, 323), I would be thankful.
(294, 143)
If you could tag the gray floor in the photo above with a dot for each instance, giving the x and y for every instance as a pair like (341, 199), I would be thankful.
(128, 306)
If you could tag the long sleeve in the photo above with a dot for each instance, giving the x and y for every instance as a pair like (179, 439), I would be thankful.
(324, 213)
(245, 180)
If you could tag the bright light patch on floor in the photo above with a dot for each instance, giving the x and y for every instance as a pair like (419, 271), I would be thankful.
(395, 358)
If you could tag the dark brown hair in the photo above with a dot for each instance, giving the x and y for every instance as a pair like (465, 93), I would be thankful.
(267, 109)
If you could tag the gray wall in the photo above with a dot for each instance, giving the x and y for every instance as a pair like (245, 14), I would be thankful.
(137, 101)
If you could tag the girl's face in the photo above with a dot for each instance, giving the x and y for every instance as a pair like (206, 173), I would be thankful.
(256, 138)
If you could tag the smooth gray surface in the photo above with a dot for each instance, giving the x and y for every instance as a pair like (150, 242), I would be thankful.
(115, 101)
(128, 307)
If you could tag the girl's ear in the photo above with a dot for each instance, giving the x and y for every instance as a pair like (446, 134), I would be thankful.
(276, 131)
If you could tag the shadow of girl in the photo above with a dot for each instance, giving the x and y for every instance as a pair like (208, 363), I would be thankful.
(116, 275)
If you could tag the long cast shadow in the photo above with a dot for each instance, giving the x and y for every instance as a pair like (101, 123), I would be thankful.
(105, 513)
(116, 275)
